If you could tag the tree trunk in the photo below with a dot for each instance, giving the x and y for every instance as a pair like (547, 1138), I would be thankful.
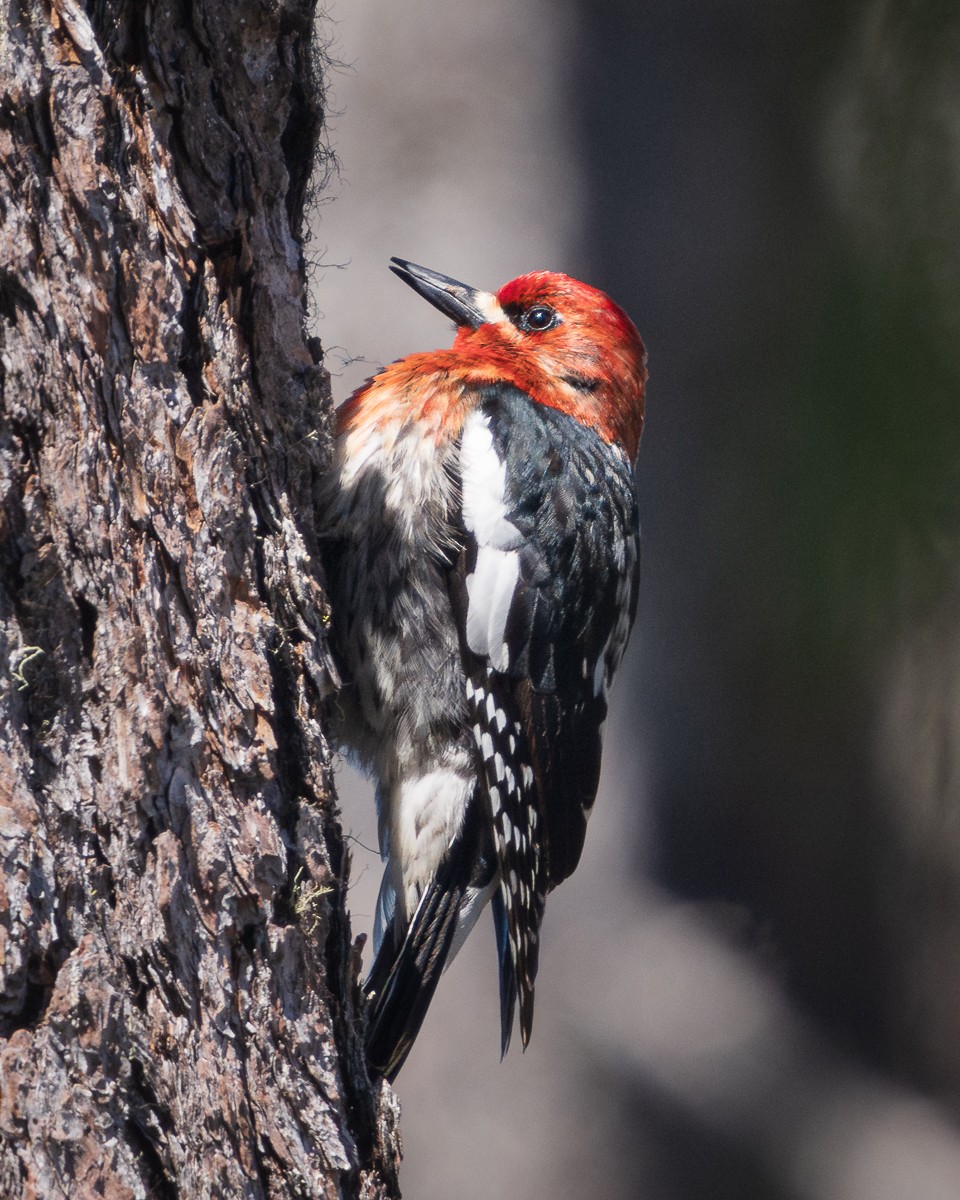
(178, 992)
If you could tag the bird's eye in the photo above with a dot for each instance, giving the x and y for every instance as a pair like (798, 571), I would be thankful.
(538, 318)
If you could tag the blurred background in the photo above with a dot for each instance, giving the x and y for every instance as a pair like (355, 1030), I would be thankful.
(751, 987)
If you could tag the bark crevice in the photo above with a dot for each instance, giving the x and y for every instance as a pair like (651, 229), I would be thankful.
(179, 1008)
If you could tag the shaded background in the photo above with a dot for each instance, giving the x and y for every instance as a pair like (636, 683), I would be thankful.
(751, 987)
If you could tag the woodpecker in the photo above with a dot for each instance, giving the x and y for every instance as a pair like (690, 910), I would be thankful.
(483, 544)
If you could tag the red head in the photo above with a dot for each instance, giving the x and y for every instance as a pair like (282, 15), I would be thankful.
(564, 343)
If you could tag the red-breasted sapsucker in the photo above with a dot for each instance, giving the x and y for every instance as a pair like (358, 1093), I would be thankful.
(483, 557)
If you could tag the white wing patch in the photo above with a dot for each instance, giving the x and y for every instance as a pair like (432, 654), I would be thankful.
(490, 589)
(491, 584)
(484, 482)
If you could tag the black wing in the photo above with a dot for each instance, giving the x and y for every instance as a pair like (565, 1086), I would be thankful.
(545, 593)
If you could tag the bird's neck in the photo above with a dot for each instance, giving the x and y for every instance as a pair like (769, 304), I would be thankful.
(438, 389)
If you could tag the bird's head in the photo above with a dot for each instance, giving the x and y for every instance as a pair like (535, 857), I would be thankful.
(564, 343)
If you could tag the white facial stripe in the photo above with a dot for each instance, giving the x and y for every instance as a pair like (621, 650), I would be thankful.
(489, 306)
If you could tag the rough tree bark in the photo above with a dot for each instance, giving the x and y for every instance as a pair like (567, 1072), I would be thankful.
(177, 986)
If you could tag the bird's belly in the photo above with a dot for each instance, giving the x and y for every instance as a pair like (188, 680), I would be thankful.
(403, 720)
(403, 709)
(408, 674)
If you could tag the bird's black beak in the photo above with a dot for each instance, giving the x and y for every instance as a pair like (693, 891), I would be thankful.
(464, 305)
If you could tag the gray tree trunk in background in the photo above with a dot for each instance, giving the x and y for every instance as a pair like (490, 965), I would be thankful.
(177, 986)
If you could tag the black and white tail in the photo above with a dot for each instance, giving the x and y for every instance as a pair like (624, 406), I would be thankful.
(521, 868)
(409, 963)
